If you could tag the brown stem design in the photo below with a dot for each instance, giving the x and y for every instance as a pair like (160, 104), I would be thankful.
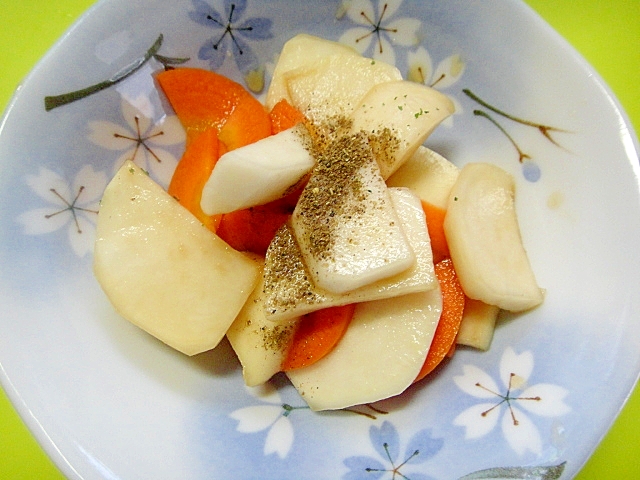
(54, 101)
(544, 129)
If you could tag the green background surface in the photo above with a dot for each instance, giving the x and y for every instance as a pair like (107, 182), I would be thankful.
(605, 32)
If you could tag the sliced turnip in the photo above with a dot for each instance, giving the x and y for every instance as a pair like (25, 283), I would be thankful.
(429, 175)
(163, 270)
(399, 116)
(484, 239)
(378, 357)
(334, 85)
(290, 291)
(301, 51)
(346, 227)
(261, 345)
(258, 173)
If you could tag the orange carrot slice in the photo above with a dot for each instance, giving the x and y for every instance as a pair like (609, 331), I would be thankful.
(203, 99)
(283, 116)
(192, 172)
(435, 225)
(452, 307)
(318, 333)
(248, 123)
(252, 229)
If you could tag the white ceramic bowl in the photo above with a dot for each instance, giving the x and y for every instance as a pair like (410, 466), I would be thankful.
(107, 401)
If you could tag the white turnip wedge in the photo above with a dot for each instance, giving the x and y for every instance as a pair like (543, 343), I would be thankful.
(289, 291)
(261, 345)
(334, 85)
(399, 116)
(344, 222)
(301, 51)
(163, 270)
(477, 325)
(484, 240)
(379, 356)
(429, 175)
(258, 173)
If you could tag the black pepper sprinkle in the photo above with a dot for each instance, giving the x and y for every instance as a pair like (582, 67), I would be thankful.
(333, 192)
(339, 154)
(277, 337)
(286, 280)
(384, 146)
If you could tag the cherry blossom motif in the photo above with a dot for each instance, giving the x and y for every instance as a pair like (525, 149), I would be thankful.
(74, 206)
(141, 141)
(444, 75)
(447, 72)
(507, 405)
(392, 461)
(273, 417)
(377, 31)
(233, 37)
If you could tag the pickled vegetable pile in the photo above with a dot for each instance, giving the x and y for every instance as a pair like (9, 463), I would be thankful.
(315, 232)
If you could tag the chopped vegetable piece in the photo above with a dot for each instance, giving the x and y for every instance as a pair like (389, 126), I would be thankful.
(407, 111)
(435, 225)
(203, 99)
(316, 335)
(192, 174)
(289, 291)
(258, 173)
(248, 123)
(484, 239)
(261, 345)
(345, 224)
(162, 270)
(452, 308)
(303, 50)
(252, 229)
(378, 357)
(334, 85)
(478, 324)
(283, 116)
(428, 174)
